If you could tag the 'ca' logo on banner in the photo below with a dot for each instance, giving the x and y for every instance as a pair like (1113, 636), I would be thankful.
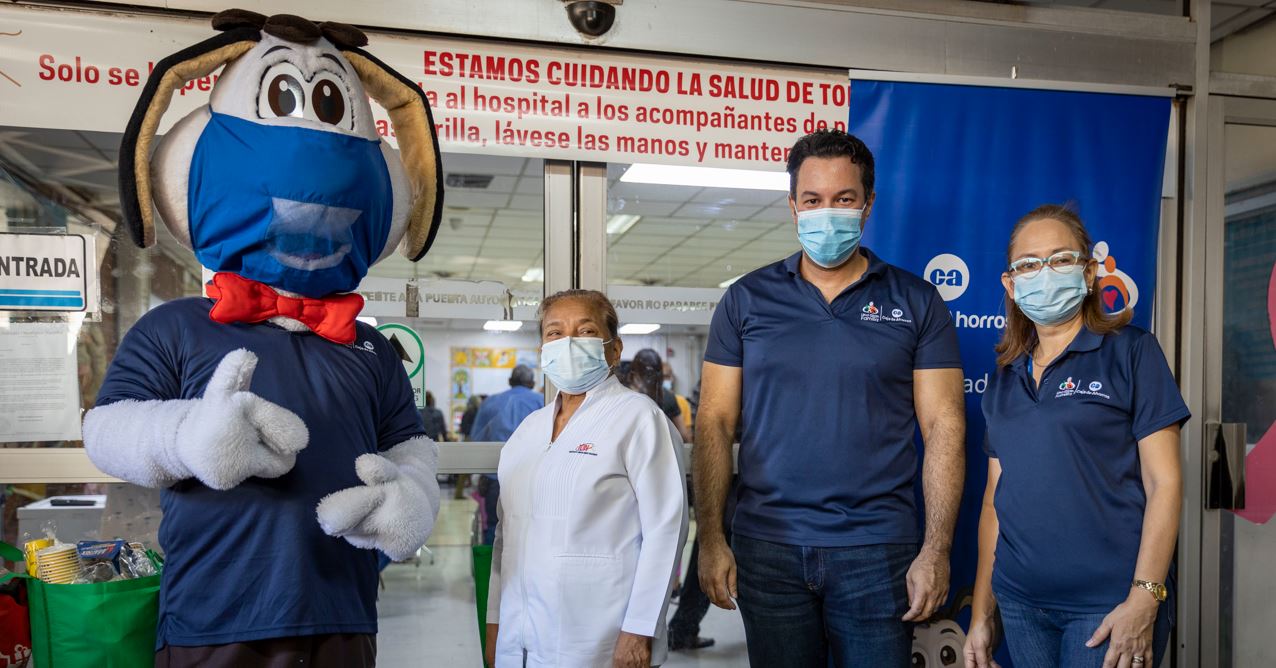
(949, 274)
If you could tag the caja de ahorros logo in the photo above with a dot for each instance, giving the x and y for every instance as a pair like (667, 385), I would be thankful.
(872, 312)
(949, 274)
(951, 277)
(1072, 387)
(365, 347)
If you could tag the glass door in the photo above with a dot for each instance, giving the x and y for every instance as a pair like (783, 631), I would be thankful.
(1240, 444)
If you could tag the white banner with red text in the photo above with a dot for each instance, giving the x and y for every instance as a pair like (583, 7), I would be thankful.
(79, 70)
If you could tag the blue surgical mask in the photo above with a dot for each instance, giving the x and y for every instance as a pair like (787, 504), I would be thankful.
(668, 385)
(301, 210)
(575, 364)
(1050, 297)
(829, 236)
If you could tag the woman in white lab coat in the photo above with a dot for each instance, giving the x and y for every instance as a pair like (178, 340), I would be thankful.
(593, 509)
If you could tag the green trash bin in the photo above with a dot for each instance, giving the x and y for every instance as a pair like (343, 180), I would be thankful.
(482, 570)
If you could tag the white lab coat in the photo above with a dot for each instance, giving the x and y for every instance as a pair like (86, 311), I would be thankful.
(591, 530)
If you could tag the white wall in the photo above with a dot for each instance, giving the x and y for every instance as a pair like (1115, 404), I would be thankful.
(1250, 51)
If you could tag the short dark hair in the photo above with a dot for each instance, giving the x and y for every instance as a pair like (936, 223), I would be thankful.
(830, 143)
(522, 376)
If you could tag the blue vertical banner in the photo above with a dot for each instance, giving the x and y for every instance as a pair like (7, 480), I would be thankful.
(957, 166)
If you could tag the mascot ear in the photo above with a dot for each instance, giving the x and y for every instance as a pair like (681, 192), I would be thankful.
(413, 125)
(169, 75)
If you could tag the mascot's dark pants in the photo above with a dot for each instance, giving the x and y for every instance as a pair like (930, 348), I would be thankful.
(324, 651)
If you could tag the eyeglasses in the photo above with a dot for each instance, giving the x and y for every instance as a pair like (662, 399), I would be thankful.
(1063, 262)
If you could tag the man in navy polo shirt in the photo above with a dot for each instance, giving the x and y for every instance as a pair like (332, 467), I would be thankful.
(829, 360)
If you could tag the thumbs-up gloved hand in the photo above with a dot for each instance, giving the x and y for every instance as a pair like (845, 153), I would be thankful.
(394, 510)
(222, 439)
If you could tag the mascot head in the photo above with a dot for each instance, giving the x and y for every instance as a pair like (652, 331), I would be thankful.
(282, 177)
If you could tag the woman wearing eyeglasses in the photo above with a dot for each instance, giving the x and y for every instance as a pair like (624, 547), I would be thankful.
(593, 509)
(1081, 511)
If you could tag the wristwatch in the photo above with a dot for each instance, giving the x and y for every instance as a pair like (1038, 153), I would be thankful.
(1158, 590)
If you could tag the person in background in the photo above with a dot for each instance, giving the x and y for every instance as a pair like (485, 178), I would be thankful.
(829, 361)
(594, 513)
(497, 419)
(467, 418)
(693, 603)
(1081, 511)
(466, 428)
(645, 375)
(435, 423)
(684, 405)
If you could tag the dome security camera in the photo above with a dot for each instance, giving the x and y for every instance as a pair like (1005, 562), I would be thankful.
(592, 18)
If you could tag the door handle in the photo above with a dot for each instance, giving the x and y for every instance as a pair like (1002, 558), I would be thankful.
(1225, 466)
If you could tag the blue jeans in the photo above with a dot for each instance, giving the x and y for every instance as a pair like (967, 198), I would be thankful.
(1050, 638)
(812, 607)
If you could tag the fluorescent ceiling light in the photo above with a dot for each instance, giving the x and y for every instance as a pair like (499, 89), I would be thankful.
(706, 177)
(368, 319)
(503, 325)
(621, 222)
(727, 283)
(635, 328)
(534, 275)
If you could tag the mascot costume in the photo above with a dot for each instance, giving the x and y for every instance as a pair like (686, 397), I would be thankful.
(283, 434)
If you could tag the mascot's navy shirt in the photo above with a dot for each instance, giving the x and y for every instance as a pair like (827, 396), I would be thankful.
(252, 562)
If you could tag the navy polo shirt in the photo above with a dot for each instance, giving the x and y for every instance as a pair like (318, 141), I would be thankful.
(826, 426)
(1070, 500)
(252, 562)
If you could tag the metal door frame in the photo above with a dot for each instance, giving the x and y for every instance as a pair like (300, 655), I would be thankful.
(1207, 537)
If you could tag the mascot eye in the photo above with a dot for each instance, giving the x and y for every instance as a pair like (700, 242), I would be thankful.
(328, 102)
(285, 96)
(948, 656)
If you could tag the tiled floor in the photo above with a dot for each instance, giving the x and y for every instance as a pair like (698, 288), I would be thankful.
(428, 618)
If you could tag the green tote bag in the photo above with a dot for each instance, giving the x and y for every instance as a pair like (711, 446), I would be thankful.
(104, 625)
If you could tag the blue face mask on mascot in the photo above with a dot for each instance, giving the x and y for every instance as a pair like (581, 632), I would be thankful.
(301, 210)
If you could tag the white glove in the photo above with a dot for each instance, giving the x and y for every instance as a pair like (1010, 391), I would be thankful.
(222, 439)
(394, 510)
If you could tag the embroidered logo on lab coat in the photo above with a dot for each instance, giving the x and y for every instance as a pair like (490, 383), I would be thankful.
(584, 449)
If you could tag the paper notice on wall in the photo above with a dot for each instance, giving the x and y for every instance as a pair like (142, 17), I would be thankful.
(39, 384)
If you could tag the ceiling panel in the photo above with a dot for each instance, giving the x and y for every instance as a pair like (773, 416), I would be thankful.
(483, 164)
(474, 200)
(499, 184)
(531, 185)
(641, 207)
(530, 203)
(655, 193)
(724, 196)
(716, 211)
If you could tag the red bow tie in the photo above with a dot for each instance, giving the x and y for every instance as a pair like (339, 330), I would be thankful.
(238, 299)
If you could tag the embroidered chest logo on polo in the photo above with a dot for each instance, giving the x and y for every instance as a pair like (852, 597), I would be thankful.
(1072, 388)
(874, 313)
(584, 449)
(365, 347)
